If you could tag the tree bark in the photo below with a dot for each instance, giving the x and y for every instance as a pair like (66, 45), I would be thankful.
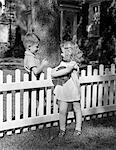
(44, 22)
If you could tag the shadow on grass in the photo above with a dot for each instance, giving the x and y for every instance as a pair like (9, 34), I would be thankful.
(98, 134)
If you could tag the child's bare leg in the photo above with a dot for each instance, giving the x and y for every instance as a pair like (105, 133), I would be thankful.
(78, 113)
(62, 115)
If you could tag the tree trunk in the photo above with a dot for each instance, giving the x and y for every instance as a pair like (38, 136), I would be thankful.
(45, 23)
(45, 18)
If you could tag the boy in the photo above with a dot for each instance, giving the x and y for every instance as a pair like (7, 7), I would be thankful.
(31, 62)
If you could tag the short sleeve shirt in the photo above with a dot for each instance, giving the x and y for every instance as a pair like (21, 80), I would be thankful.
(30, 61)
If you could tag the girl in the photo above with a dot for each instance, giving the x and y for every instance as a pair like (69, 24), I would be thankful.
(67, 89)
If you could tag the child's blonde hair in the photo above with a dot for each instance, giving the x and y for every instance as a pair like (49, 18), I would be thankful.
(67, 47)
(74, 50)
(30, 39)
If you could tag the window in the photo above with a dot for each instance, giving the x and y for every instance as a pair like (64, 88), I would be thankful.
(68, 21)
(94, 20)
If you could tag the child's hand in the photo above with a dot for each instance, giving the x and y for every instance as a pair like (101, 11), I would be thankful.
(76, 67)
(72, 64)
(44, 63)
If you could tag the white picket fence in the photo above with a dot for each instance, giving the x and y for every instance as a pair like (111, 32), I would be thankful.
(26, 104)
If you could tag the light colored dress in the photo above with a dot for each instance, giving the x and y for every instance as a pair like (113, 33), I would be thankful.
(70, 90)
(30, 61)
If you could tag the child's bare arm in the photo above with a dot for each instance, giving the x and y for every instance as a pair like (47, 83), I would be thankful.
(57, 73)
(38, 70)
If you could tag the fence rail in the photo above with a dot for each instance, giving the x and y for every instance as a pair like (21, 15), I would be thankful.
(25, 104)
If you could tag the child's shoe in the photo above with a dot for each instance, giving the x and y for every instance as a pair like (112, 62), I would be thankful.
(60, 135)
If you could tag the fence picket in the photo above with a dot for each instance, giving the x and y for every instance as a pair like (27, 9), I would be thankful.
(111, 91)
(88, 99)
(100, 87)
(41, 106)
(82, 91)
(17, 95)
(48, 96)
(9, 100)
(96, 88)
(26, 102)
(26, 99)
(1, 98)
(33, 103)
(33, 98)
(94, 92)
(113, 68)
(9, 103)
(1, 102)
(17, 98)
(106, 84)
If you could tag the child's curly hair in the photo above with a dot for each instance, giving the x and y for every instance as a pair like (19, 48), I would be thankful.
(76, 53)
(30, 39)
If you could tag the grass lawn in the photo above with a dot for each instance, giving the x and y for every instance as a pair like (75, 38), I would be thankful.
(98, 134)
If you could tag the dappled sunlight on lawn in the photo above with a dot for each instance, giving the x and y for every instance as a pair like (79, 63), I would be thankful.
(98, 134)
(102, 132)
